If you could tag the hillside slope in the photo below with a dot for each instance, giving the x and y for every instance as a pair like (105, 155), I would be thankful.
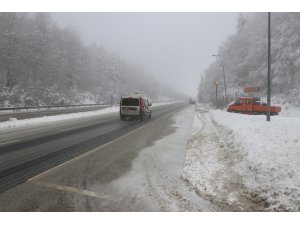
(245, 59)
(42, 64)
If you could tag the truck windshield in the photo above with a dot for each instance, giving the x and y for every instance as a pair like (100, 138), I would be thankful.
(130, 101)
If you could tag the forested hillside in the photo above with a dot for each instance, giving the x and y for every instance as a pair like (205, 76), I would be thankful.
(245, 59)
(42, 64)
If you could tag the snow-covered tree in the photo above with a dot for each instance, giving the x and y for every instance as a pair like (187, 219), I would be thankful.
(245, 57)
(43, 64)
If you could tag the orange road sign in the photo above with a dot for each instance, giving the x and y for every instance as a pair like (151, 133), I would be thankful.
(251, 89)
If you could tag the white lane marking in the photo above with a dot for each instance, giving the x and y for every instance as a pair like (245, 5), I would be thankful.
(8, 142)
(94, 150)
(76, 190)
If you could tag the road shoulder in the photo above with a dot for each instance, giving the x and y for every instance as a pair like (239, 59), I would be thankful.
(212, 166)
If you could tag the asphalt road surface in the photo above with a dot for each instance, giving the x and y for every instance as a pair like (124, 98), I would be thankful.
(99, 164)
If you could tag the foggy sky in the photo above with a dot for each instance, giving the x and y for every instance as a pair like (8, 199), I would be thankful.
(173, 47)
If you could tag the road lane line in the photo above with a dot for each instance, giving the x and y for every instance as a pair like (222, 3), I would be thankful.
(76, 190)
(9, 142)
(95, 149)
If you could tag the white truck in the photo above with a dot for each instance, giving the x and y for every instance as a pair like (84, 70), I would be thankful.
(135, 107)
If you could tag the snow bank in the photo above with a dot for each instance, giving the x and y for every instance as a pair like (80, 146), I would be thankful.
(287, 108)
(241, 162)
(47, 119)
(45, 109)
(272, 152)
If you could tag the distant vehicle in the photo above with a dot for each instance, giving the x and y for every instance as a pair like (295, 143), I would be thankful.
(192, 101)
(251, 105)
(135, 107)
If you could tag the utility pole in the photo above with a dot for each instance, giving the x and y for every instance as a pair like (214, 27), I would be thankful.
(224, 77)
(225, 97)
(269, 69)
(217, 84)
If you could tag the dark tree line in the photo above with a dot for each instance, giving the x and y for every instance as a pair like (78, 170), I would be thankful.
(42, 64)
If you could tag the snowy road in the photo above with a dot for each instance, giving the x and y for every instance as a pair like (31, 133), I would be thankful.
(140, 171)
(183, 159)
(33, 145)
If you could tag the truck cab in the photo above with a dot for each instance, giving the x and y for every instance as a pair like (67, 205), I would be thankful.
(242, 104)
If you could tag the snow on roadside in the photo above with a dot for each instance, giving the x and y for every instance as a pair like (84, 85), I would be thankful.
(287, 109)
(273, 152)
(46, 119)
(63, 108)
(46, 109)
(241, 162)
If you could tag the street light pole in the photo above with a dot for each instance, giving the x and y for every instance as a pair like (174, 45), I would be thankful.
(269, 69)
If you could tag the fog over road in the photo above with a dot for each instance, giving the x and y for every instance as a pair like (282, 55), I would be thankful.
(175, 48)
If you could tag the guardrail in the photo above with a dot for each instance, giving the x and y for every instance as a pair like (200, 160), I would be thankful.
(49, 107)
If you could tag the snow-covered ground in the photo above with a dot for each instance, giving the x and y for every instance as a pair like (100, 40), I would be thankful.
(287, 109)
(45, 109)
(46, 119)
(241, 162)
